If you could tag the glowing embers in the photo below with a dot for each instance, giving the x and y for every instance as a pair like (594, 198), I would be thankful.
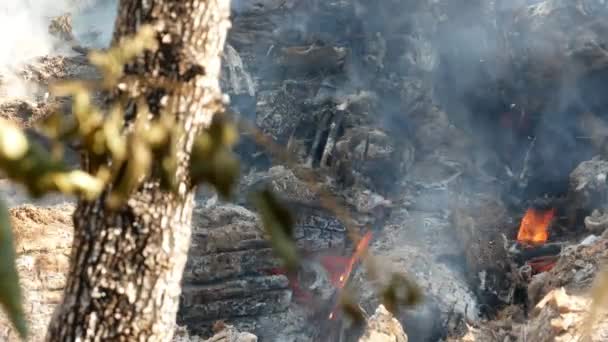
(339, 268)
(542, 264)
(341, 280)
(534, 228)
(336, 269)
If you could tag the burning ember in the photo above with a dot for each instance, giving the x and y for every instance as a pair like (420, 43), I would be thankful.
(360, 250)
(542, 264)
(357, 254)
(338, 268)
(534, 228)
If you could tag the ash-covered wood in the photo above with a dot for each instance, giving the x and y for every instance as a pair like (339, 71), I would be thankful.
(588, 189)
(482, 224)
(230, 270)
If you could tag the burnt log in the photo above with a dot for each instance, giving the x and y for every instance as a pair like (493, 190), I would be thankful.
(225, 266)
(316, 229)
(244, 286)
(231, 271)
(521, 255)
(256, 304)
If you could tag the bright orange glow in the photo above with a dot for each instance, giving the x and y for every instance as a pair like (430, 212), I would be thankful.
(335, 266)
(534, 228)
(338, 268)
(360, 250)
(542, 264)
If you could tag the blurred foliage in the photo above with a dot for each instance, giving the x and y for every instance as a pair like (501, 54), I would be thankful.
(10, 292)
(279, 225)
(29, 164)
(213, 160)
(350, 306)
(111, 62)
(400, 291)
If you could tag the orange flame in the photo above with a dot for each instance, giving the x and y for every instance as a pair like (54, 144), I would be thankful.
(360, 250)
(534, 228)
(339, 269)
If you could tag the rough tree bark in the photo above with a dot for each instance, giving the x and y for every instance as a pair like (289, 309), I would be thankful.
(127, 264)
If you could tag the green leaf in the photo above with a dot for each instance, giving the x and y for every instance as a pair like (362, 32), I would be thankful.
(279, 225)
(10, 291)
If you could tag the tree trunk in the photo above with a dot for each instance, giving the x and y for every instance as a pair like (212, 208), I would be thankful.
(127, 264)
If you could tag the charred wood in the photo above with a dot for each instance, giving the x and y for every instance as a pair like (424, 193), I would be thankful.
(521, 254)
(259, 303)
(313, 58)
(332, 137)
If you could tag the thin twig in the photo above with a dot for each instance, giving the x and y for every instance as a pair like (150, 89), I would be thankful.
(524, 169)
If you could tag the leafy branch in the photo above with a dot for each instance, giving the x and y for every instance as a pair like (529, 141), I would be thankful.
(124, 145)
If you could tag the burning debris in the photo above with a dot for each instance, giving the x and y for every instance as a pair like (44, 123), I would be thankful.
(344, 276)
(534, 228)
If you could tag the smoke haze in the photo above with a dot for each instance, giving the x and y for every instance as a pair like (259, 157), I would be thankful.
(455, 59)
(25, 37)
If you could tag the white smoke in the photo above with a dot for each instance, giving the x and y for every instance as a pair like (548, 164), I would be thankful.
(24, 34)
(24, 30)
